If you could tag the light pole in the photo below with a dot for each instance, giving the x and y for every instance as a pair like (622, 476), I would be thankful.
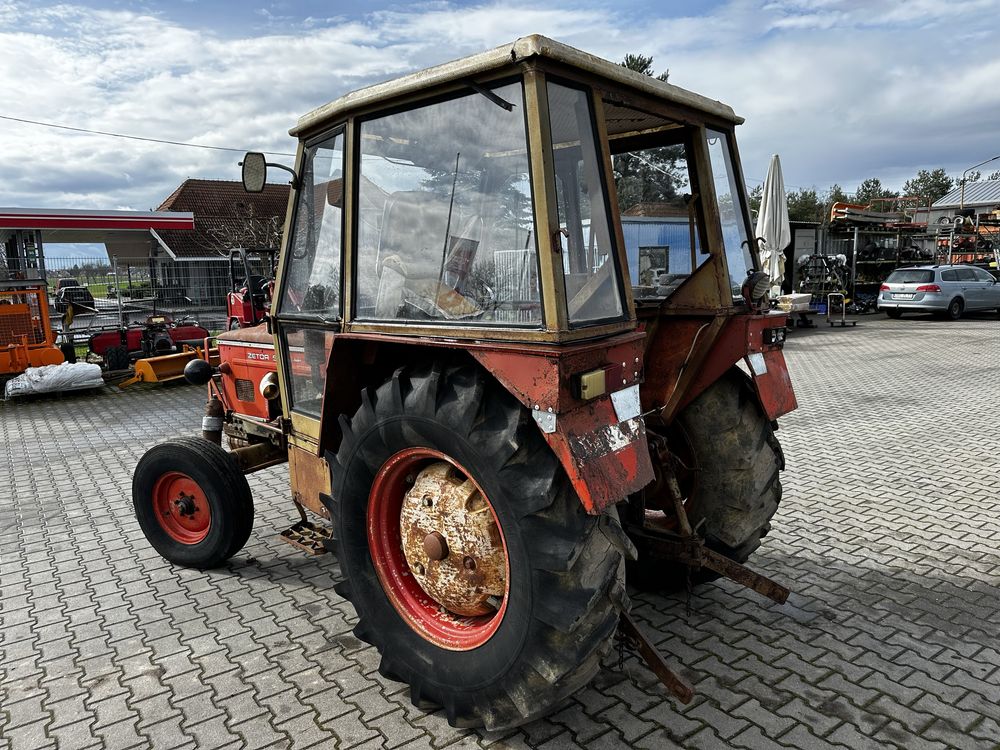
(961, 200)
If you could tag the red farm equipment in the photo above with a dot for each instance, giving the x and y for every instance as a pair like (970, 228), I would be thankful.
(249, 298)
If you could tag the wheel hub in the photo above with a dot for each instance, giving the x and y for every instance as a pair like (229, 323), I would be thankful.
(185, 505)
(451, 542)
(181, 507)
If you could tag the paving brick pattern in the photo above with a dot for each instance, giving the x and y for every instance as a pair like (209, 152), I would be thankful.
(888, 534)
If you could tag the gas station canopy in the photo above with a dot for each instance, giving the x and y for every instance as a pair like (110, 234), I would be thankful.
(126, 234)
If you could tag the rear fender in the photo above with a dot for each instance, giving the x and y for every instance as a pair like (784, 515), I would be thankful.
(601, 446)
(743, 338)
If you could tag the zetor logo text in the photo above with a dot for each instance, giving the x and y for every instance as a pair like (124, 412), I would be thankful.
(266, 356)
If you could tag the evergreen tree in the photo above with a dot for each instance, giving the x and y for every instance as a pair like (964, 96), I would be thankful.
(929, 185)
(871, 190)
(654, 175)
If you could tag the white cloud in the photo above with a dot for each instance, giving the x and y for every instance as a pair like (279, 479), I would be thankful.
(843, 90)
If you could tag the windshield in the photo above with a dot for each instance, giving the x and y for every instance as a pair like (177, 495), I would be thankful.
(593, 287)
(733, 220)
(312, 285)
(445, 222)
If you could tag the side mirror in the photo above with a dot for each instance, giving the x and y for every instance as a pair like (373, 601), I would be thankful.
(254, 172)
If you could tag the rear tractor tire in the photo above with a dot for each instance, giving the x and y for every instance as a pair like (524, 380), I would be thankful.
(734, 487)
(192, 502)
(472, 565)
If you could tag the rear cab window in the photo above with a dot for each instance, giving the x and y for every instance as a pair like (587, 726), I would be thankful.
(911, 276)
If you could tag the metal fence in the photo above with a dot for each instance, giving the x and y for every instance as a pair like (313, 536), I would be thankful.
(123, 292)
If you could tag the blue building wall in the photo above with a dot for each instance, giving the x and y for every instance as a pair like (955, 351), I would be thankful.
(648, 231)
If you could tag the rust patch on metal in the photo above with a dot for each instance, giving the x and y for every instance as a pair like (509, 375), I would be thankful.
(451, 542)
(607, 439)
(744, 576)
(606, 460)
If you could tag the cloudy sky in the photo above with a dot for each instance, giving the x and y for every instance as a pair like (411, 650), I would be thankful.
(842, 89)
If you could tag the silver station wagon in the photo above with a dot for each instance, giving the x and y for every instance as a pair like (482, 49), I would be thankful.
(947, 290)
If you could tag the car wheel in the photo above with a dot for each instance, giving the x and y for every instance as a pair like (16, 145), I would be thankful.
(955, 309)
(894, 314)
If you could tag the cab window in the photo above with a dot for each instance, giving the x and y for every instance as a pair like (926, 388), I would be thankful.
(593, 281)
(311, 299)
(731, 213)
(312, 283)
(445, 227)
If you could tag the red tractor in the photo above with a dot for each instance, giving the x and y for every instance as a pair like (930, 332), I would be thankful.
(489, 398)
(249, 298)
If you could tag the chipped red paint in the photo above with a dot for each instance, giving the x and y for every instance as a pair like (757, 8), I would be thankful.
(602, 468)
(535, 374)
(774, 388)
(744, 335)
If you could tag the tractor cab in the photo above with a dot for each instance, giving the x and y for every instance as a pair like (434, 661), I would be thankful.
(487, 395)
(477, 201)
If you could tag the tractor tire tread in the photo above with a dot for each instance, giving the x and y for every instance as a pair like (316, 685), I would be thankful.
(576, 567)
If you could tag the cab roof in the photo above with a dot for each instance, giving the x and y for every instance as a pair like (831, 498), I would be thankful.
(534, 46)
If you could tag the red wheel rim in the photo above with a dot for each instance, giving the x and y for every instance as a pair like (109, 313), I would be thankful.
(418, 608)
(181, 508)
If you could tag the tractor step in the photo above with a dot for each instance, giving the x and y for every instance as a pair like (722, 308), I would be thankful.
(307, 537)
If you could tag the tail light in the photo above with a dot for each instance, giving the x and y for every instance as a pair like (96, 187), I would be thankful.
(884, 288)
(928, 288)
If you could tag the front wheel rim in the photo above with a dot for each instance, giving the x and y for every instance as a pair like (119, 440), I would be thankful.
(181, 508)
(458, 565)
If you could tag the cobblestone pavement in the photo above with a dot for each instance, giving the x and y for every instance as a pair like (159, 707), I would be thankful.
(888, 535)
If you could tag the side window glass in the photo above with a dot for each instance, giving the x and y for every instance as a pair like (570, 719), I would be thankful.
(308, 351)
(727, 195)
(949, 275)
(966, 274)
(982, 275)
(312, 283)
(593, 287)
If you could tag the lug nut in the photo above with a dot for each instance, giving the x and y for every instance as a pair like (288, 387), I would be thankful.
(435, 546)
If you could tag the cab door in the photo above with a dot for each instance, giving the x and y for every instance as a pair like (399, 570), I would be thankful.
(308, 312)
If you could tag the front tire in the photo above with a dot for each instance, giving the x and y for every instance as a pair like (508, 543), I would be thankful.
(192, 502)
(564, 568)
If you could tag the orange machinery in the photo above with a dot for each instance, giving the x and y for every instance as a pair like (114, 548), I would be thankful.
(26, 335)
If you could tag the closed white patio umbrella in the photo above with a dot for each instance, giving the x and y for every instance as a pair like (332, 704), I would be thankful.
(772, 226)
